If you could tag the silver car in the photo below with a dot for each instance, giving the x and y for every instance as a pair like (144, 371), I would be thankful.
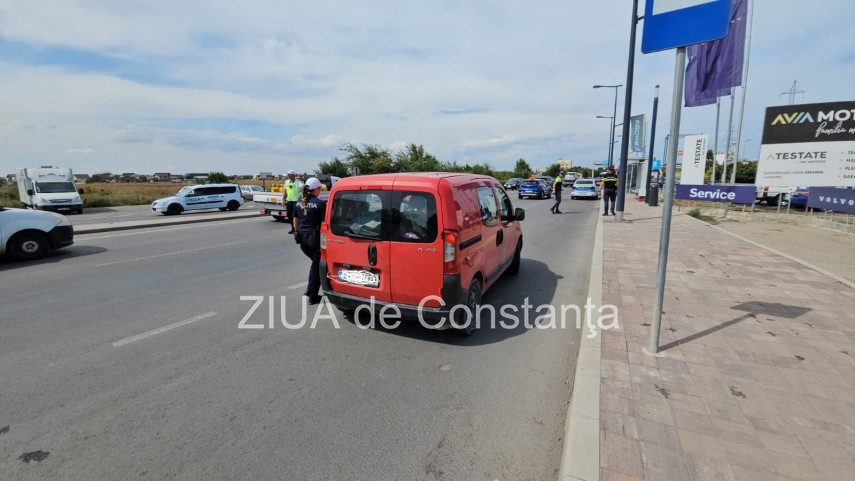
(249, 190)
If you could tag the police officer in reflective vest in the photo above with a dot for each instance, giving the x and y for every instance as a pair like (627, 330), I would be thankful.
(556, 189)
(293, 190)
(609, 186)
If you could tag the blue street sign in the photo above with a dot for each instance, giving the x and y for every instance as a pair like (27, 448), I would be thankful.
(657, 164)
(677, 23)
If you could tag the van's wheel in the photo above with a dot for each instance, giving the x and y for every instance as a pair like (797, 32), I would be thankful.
(233, 205)
(279, 218)
(173, 209)
(28, 245)
(222, 209)
(80, 210)
(473, 300)
(773, 201)
(520, 196)
(514, 268)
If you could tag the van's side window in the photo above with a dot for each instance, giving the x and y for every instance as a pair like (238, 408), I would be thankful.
(360, 214)
(504, 204)
(487, 201)
(415, 216)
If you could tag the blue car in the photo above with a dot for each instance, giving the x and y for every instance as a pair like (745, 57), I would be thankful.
(533, 188)
(799, 197)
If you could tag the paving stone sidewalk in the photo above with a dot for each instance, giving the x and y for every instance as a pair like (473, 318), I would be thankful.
(757, 381)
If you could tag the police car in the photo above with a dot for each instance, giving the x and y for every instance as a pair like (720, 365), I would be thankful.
(198, 197)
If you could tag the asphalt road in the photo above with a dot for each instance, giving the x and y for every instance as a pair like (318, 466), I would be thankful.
(122, 359)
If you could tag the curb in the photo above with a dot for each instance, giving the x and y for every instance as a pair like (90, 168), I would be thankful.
(135, 225)
(580, 457)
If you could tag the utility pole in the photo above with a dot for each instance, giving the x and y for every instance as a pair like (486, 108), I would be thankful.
(792, 93)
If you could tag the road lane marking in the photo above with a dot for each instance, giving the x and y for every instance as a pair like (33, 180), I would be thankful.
(169, 254)
(299, 285)
(159, 330)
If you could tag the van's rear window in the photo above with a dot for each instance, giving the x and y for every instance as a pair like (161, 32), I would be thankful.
(398, 216)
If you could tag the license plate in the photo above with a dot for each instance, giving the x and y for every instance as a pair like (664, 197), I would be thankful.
(359, 278)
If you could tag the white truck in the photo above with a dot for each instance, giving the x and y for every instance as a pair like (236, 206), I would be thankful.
(271, 203)
(49, 188)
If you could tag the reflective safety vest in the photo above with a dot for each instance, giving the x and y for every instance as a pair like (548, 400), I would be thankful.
(610, 181)
(292, 190)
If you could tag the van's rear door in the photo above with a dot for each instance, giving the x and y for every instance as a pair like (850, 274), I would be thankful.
(416, 245)
(358, 249)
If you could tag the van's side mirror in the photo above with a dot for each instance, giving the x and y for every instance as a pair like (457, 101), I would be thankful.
(80, 191)
(519, 213)
(31, 192)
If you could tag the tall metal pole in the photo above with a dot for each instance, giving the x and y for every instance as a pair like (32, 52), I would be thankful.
(744, 86)
(715, 142)
(652, 138)
(624, 145)
(727, 147)
(612, 136)
(665, 236)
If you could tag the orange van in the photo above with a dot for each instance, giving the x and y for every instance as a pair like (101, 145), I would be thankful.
(425, 242)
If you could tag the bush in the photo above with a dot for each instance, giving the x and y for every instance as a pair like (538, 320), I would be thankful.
(9, 196)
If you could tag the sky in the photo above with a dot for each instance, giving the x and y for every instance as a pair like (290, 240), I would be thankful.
(268, 85)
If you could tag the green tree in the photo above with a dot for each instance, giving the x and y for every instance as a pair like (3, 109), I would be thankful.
(522, 169)
(414, 158)
(746, 172)
(217, 178)
(334, 167)
(370, 159)
(553, 170)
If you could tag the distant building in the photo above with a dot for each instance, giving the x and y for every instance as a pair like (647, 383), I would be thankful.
(178, 179)
(565, 164)
(81, 178)
(11, 178)
(160, 177)
(262, 176)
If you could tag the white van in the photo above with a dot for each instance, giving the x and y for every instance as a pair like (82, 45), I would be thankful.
(198, 197)
(29, 234)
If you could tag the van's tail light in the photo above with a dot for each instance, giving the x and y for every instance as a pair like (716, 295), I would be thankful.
(450, 241)
(323, 241)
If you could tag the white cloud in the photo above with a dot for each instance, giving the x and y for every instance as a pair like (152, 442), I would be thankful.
(79, 151)
(214, 84)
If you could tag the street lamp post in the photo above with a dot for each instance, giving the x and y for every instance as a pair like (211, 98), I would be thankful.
(611, 135)
(745, 149)
(614, 115)
(624, 147)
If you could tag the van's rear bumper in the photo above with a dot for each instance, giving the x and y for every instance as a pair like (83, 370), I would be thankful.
(452, 294)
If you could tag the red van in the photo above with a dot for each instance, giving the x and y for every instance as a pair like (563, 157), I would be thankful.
(421, 241)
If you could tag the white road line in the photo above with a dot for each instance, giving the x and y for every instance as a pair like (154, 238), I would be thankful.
(144, 335)
(168, 254)
(299, 285)
(146, 230)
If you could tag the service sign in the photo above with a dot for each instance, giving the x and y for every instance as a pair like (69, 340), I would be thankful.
(808, 144)
(733, 194)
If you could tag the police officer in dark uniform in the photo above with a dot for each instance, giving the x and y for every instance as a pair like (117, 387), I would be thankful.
(609, 186)
(310, 214)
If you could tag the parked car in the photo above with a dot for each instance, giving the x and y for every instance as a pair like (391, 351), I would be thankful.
(547, 187)
(443, 238)
(197, 197)
(546, 178)
(30, 234)
(799, 197)
(250, 190)
(531, 188)
(584, 189)
(513, 183)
